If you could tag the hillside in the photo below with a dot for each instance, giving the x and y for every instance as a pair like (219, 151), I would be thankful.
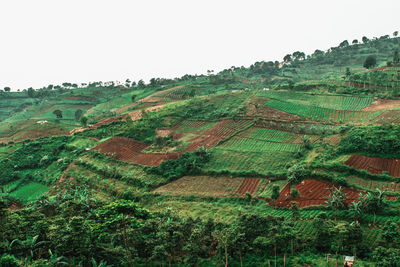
(278, 163)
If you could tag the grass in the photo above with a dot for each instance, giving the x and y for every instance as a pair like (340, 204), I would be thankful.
(29, 192)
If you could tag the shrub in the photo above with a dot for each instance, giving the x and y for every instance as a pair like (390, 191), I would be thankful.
(8, 261)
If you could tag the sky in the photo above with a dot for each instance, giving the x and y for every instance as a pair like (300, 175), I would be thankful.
(54, 41)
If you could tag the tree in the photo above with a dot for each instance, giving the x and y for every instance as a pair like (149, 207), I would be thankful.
(295, 211)
(348, 72)
(386, 257)
(287, 58)
(78, 114)
(343, 44)
(141, 84)
(84, 121)
(355, 41)
(299, 55)
(395, 33)
(224, 238)
(370, 62)
(133, 97)
(365, 40)
(7, 89)
(396, 58)
(31, 92)
(58, 113)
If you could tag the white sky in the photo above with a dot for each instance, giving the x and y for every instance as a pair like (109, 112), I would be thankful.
(53, 41)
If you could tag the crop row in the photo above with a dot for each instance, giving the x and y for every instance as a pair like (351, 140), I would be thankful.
(317, 113)
(239, 161)
(268, 135)
(350, 103)
(253, 145)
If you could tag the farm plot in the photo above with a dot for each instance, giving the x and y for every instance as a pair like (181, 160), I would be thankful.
(239, 161)
(322, 114)
(390, 116)
(217, 133)
(267, 135)
(129, 150)
(313, 193)
(29, 192)
(193, 126)
(267, 192)
(373, 185)
(375, 165)
(249, 185)
(203, 186)
(351, 103)
(253, 145)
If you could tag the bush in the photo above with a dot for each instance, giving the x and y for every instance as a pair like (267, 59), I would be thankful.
(8, 261)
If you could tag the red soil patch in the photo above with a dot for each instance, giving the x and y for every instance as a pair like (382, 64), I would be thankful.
(249, 185)
(129, 150)
(383, 104)
(123, 148)
(313, 193)
(375, 165)
(155, 159)
(215, 134)
(107, 121)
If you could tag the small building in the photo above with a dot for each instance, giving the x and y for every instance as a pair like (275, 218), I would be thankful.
(348, 261)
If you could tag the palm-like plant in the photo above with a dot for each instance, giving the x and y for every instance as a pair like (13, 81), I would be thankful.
(30, 243)
(336, 199)
(357, 209)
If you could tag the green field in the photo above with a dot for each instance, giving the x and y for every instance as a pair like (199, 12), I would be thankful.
(223, 159)
(30, 191)
(322, 114)
(254, 145)
(351, 103)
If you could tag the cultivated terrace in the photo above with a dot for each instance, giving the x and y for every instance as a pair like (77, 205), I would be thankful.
(276, 164)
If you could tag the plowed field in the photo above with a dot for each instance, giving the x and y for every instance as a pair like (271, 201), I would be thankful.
(313, 193)
(217, 133)
(249, 185)
(203, 186)
(375, 165)
(129, 150)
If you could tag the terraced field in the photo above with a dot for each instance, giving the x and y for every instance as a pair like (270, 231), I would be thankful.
(375, 165)
(239, 161)
(336, 102)
(254, 145)
(373, 185)
(322, 114)
(313, 193)
(206, 186)
(129, 150)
